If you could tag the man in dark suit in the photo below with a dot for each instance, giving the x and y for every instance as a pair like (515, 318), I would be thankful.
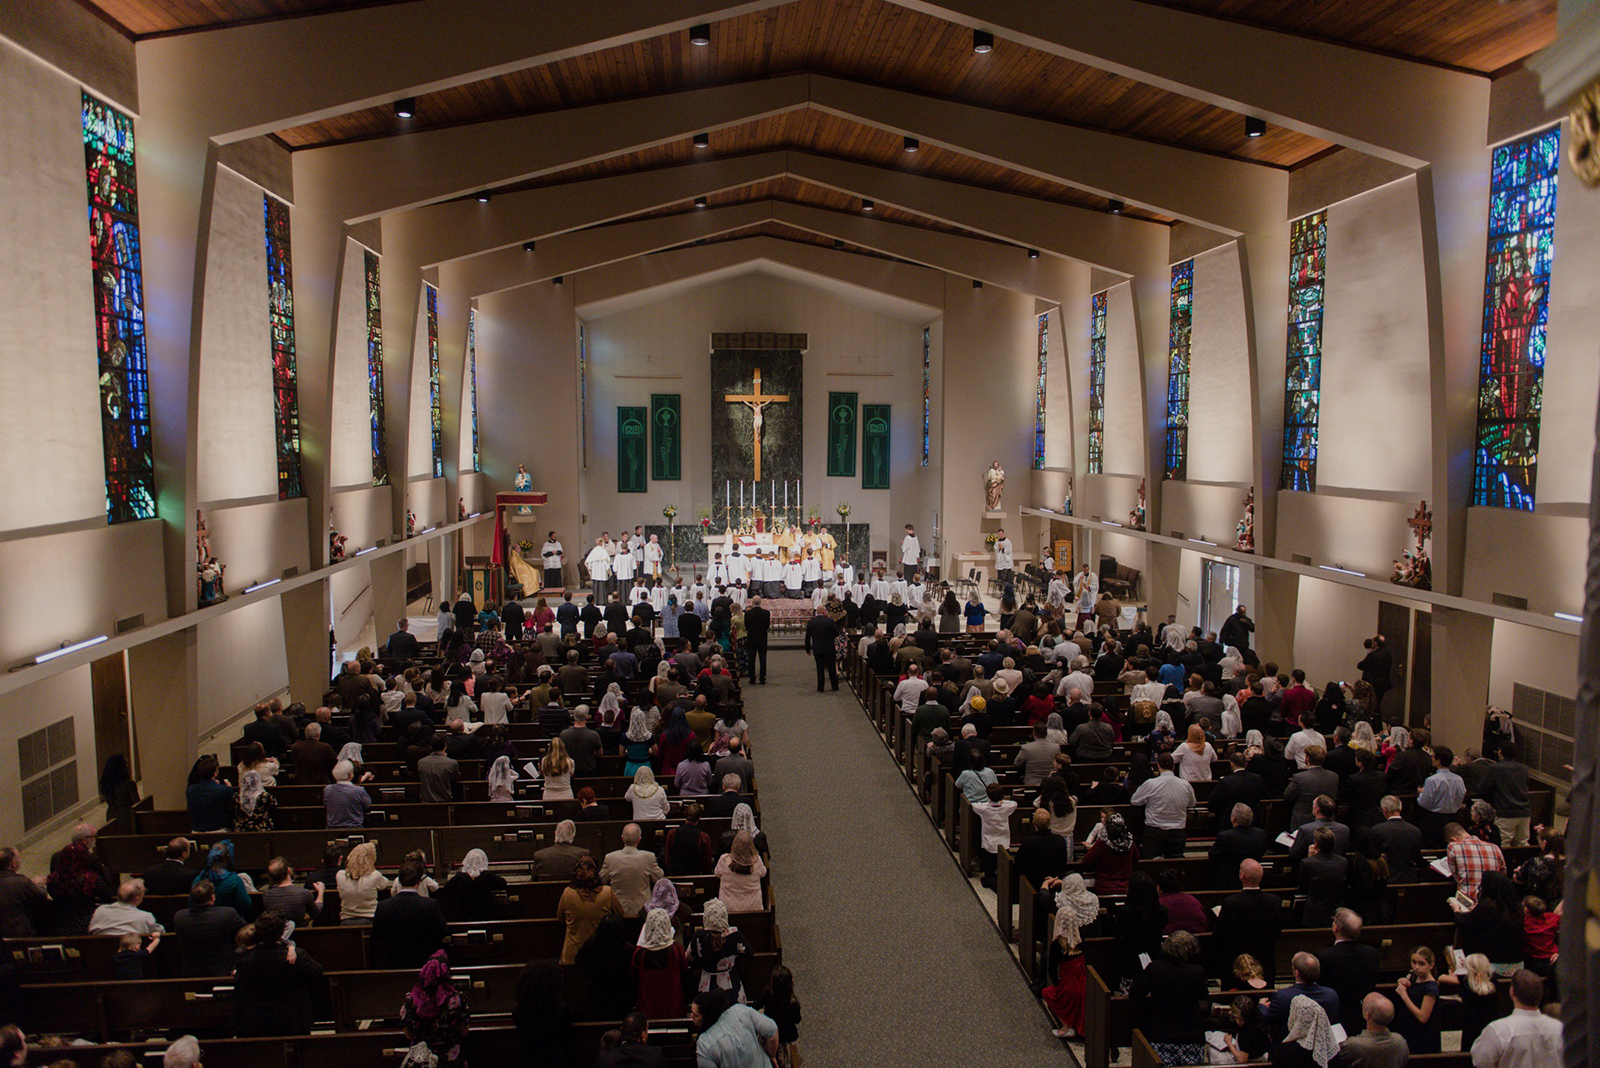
(402, 644)
(1342, 757)
(722, 806)
(567, 615)
(1042, 854)
(459, 745)
(513, 616)
(1237, 787)
(1410, 767)
(1398, 842)
(1364, 790)
(1240, 842)
(560, 860)
(1306, 786)
(821, 633)
(1349, 969)
(261, 729)
(1248, 922)
(591, 616)
(1325, 811)
(616, 615)
(408, 928)
(170, 875)
(757, 622)
(205, 932)
(635, 1051)
(1322, 878)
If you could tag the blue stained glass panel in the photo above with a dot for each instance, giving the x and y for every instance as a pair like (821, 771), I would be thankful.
(1522, 212)
(380, 460)
(1308, 269)
(472, 372)
(435, 405)
(280, 312)
(1097, 384)
(1039, 390)
(1178, 341)
(118, 272)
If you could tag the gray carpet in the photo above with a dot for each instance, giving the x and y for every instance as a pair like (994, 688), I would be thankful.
(895, 960)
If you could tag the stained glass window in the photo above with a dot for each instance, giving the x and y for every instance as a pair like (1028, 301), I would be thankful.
(380, 461)
(1308, 268)
(1039, 393)
(1516, 291)
(927, 402)
(1177, 454)
(472, 377)
(1097, 384)
(280, 311)
(119, 312)
(435, 406)
(583, 394)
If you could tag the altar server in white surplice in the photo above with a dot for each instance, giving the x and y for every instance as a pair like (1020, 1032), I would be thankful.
(623, 565)
(718, 575)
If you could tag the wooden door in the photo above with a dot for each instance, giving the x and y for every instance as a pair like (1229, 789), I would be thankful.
(109, 684)
(1421, 668)
(1394, 623)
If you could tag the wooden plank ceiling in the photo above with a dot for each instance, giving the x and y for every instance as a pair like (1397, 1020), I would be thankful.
(830, 135)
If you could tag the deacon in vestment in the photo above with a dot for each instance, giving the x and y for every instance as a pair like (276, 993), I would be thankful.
(652, 557)
(554, 560)
(599, 564)
(1002, 558)
(910, 552)
(1085, 591)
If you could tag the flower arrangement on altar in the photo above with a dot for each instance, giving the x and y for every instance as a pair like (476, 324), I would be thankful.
(843, 508)
(704, 515)
(669, 512)
(989, 540)
(525, 546)
(814, 517)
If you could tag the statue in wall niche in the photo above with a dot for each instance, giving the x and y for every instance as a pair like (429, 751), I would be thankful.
(1415, 566)
(336, 543)
(1137, 516)
(411, 523)
(994, 484)
(1245, 533)
(523, 483)
(208, 569)
(461, 508)
(1066, 500)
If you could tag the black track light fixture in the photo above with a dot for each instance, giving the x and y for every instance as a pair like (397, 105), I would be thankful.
(702, 140)
(1033, 253)
(867, 205)
(527, 246)
(700, 35)
(1254, 127)
(699, 202)
(557, 279)
(838, 244)
(1117, 207)
(982, 42)
(405, 107)
(912, 144)
(976, 284)
(483, 197)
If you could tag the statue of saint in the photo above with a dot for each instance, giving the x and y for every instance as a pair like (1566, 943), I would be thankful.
(523, 483)
(994, 484)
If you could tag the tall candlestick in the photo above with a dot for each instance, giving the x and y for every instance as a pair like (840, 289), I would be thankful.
(786, 494)
(727, 495)
(774, 486)
(741, 493)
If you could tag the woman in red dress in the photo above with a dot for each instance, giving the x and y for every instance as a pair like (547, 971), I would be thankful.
(1076, 908)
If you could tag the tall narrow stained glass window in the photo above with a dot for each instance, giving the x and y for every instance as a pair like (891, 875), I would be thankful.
(472, 378)
(1039, 392)
(1516, 295)
(280, 310)
(119, 312)
(1302, 400)
(380, 460)
(1177, 453)
(1097, 384)
(435, 405)
(927, 397)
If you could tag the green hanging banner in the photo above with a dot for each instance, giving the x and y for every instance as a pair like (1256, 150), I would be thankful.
(631, 445)
(874, 446)
(666, 437)
(841, 435)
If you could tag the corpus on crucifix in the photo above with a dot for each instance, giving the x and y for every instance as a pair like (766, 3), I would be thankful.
(757, 402)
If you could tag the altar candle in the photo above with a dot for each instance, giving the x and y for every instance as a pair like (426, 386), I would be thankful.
(786, 493)
(727, 495)
(741, 493)
(774, 486)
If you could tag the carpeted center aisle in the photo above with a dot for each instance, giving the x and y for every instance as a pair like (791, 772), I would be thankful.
(895, 961)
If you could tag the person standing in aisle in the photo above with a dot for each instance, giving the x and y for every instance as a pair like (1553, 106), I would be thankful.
(821, 635)
(910, 553)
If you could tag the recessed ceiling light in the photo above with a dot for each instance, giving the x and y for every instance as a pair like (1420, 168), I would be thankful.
(405, 107)
(700, 35)
(699, 202)
(483, 198)
(702, 140)
(982, 42)
(527, 246)
(1116, 207)
(911, 144)
(1033, 253)
(867, 205)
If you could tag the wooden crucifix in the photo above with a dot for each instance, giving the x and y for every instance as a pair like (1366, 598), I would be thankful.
(757, 402)
(1421, 523)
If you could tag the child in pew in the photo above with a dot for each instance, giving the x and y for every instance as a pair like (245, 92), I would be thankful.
(995, 815)
(128, 965)
(783, 1008)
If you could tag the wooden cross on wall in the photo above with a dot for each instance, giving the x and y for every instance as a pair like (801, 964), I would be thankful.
(756, 401)
(1421, 523)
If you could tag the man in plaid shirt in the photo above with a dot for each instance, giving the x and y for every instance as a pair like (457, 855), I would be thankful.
(1469, 860)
